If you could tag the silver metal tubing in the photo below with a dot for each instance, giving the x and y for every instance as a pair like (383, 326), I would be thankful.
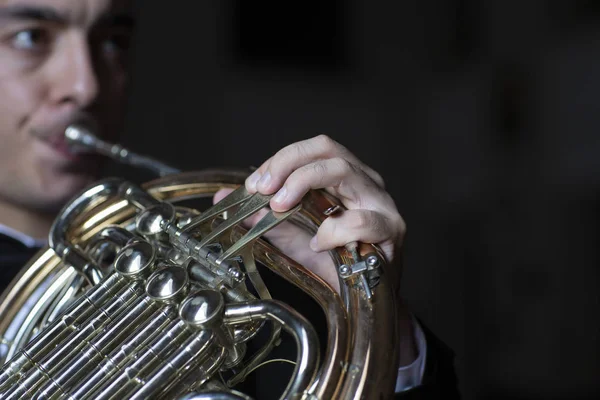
(157, 366)
(164, 286)
(97, 348)
(57, 239)
(111, 364)
(215, 395)
(189, 356)
(141, 199)
(304, 334)
(73, 344)
(148, 358)
(117, 235)
(198, 376)
(77, 313)
(63, 298)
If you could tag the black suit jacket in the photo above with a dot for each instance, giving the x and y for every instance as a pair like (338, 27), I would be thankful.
(439, 379)
(13, 256)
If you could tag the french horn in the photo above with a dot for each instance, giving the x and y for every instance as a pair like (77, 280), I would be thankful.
(139, 295)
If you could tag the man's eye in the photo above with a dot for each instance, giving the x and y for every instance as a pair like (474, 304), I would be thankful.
(30, 39)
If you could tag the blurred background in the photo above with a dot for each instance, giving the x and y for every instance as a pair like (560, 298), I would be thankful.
(483, 118)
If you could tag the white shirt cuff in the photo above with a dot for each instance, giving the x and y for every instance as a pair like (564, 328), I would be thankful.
(411, 375)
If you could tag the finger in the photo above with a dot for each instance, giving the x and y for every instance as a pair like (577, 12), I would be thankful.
(221, 194)
(270, 176)
(252, 180)
(359, 225)
(341, 178)
(277, 235)
(293, 241)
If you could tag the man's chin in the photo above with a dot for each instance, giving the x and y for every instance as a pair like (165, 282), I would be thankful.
(79, 183)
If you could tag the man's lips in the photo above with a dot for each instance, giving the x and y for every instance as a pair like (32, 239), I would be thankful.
(52, 132)
(59, 144)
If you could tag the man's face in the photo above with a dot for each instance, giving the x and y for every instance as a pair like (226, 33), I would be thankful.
(58, 59)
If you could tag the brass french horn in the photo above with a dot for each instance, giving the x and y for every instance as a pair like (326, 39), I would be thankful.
(139, 295)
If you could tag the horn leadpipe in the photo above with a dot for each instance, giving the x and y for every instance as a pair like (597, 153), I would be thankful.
(81, 139)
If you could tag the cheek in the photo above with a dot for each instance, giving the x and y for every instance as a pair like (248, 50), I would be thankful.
(20, 98)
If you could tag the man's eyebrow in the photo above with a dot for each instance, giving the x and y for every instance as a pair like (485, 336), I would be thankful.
(38, 13)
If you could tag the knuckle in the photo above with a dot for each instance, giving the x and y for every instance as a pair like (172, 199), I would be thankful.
(310, 175)
(343, 165)
(285, 158)
(293, 150)
(378, 179)
(326, 142)
(317, 168)
(302, 149)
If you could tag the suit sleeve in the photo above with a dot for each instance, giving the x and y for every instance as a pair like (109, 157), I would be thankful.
(439, 378)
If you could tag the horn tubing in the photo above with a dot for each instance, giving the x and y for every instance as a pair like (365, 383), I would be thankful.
(304, 334)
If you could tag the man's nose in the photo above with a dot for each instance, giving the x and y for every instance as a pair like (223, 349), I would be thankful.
(73, 79)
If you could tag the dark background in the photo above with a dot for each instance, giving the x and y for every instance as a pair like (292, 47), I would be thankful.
(483, 118)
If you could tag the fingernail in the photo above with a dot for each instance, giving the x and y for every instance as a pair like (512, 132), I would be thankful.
(281, 195)
(313, 243)
(253, 180)
(265, 180)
